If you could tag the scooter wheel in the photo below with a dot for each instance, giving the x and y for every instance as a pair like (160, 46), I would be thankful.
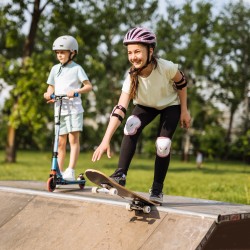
(51, 186)
(81, 178)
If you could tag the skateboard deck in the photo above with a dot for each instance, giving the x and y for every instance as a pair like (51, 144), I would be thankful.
(137, 202)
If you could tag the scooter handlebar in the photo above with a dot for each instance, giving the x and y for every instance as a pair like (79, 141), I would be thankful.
(53, 96)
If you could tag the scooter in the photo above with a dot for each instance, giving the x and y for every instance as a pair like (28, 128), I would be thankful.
(55, 177)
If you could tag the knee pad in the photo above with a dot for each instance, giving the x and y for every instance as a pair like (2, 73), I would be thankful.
(132, 125)
(163, 145)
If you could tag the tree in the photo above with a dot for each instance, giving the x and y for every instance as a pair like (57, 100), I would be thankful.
(231, 59)
(98, 28)
(20, 69)
(183, 38)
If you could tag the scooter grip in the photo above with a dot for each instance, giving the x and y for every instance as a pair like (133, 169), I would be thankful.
(76, 94)
(52, 96)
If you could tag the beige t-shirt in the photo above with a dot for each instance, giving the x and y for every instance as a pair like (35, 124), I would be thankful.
(157, 90)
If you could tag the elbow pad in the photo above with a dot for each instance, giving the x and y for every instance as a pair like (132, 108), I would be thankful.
(182, 83)
(120, 107)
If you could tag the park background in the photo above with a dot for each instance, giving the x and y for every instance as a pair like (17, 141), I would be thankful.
(208, 39)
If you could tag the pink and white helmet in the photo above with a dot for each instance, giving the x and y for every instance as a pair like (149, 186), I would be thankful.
(140, 35)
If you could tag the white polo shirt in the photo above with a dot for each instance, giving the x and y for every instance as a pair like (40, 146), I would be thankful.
(157, 90)
(71, 77)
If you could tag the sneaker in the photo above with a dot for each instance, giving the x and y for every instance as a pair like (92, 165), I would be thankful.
(69, 174)
(119, 177)
(60, 175)
(156, 196)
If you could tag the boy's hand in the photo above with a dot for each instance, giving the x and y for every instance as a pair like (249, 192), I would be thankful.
(70, 94)
(48, 98)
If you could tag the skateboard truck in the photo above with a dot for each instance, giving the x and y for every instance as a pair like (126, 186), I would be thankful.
(138, 205)
(134, 205)
(106, 188)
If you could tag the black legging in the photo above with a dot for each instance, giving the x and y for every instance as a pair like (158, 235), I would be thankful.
(169, 118)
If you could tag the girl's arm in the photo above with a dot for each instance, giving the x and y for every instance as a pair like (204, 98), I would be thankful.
(114, 123)
(185, 118)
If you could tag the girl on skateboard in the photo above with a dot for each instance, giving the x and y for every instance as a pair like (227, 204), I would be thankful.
(157, 87)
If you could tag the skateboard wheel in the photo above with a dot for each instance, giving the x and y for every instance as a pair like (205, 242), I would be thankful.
(113, 191)
(146, 209)
(94, 190)
(128, 207)
(51, 186)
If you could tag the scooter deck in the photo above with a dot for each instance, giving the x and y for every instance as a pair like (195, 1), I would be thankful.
(54, 180)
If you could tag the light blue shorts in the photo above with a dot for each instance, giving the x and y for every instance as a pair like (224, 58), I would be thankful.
(70, 123)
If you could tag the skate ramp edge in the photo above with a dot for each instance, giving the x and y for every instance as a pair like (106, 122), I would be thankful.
(43, 220)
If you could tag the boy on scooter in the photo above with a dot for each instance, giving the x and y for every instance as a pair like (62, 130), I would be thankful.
(68, 78)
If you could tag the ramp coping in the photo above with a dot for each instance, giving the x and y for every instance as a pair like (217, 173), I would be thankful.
(100, 200)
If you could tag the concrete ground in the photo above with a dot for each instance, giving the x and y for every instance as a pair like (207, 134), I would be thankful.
(70, 218)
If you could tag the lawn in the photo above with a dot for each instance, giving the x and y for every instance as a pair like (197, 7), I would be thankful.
(222, 181)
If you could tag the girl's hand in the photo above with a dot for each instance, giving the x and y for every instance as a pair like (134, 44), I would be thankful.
(100, 150)
(185, 120)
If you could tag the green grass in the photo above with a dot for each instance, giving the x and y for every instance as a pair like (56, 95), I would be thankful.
(222, 181)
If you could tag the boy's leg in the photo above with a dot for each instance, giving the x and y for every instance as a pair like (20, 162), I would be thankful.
(74, 140)
(62, 151)
(69, 173)
(74, 123)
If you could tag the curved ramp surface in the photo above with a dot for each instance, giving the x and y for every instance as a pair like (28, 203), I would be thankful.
(32, 218)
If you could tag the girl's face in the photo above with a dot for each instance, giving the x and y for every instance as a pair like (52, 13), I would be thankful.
(62, 55)
(137, 54)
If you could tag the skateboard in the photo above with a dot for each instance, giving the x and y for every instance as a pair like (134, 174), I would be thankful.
(107, 185)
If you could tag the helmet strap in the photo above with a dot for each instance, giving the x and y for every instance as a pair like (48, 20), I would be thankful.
(63, 65)
(69, 59)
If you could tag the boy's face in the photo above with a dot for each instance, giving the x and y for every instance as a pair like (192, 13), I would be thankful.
(62, 55)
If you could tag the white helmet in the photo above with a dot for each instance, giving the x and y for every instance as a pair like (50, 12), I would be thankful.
(65, 43)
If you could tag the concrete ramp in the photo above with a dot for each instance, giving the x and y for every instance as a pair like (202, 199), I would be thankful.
(32, 218)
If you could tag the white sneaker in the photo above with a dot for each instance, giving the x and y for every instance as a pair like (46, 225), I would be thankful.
(69, 174)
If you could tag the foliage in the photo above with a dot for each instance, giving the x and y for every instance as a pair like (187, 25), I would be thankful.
(212, 50)
(100, 44)
(230, 60)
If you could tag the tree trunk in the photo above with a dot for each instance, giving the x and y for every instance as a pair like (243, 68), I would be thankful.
(228, 135)
(10, 154)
